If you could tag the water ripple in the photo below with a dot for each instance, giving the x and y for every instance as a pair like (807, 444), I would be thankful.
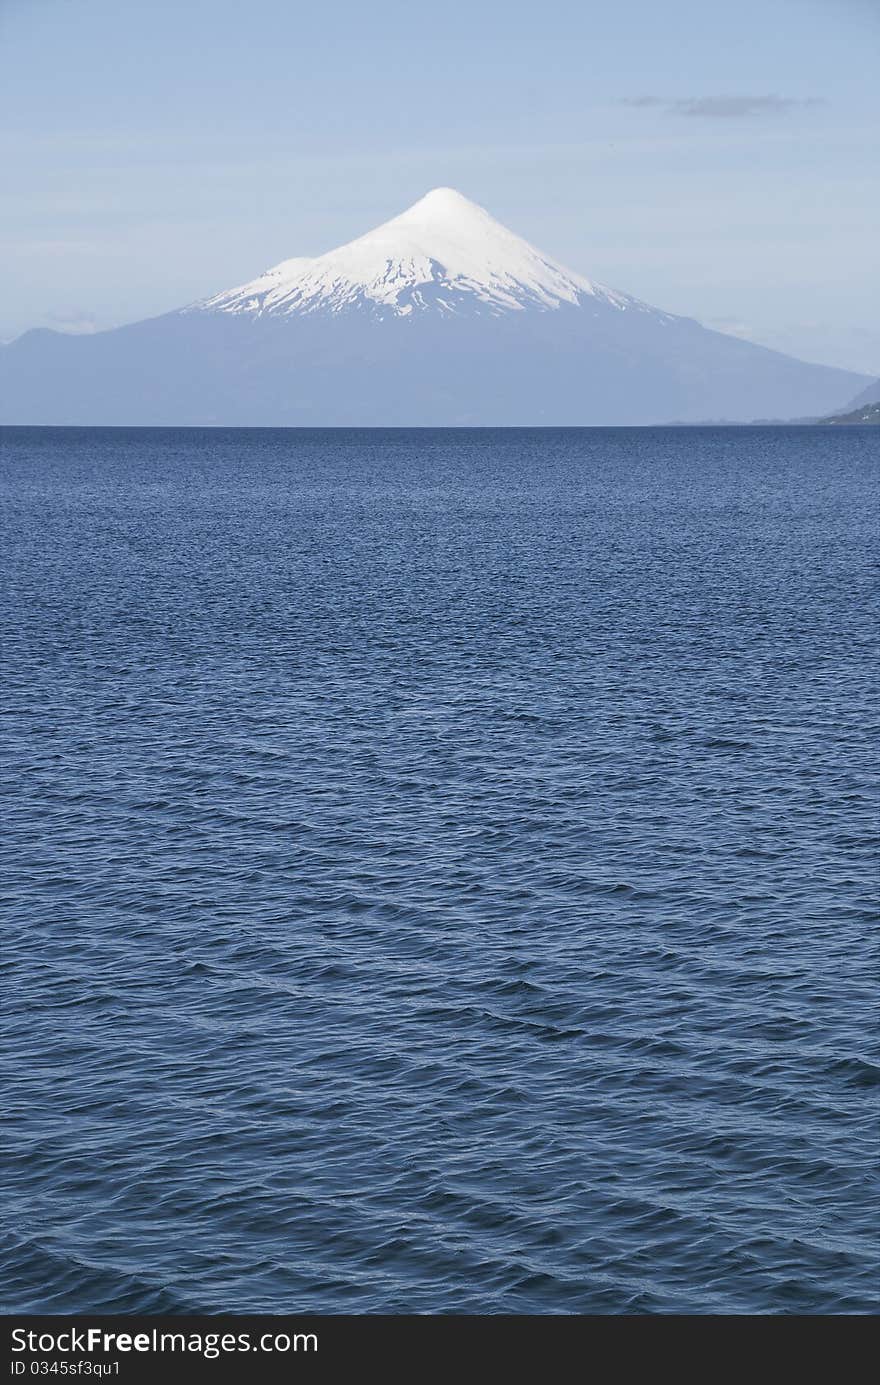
(437, 871)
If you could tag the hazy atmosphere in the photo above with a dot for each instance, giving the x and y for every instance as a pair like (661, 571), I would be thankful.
(157, 154)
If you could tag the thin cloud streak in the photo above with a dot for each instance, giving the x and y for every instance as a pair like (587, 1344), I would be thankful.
(725, 107)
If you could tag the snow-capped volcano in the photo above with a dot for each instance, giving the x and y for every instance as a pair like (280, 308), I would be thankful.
(444, 253)
(440, 316)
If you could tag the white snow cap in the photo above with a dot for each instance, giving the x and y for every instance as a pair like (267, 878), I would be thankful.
(444, 253)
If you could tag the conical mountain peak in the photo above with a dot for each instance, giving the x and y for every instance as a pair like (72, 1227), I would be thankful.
(445, 198)
(445, 204)
(440, 316)
(443, 254)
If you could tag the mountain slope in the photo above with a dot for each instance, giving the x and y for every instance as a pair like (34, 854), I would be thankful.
(870, 395)
(440, 317)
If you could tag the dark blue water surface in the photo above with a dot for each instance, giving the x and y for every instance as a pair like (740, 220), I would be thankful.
(438, 870)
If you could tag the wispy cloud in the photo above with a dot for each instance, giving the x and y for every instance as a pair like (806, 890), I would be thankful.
(78, 322)
(725, 107)
(731, 326)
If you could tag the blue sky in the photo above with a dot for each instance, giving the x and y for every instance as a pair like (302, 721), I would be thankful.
(717, 160)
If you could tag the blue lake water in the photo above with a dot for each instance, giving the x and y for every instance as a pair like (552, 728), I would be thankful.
(438, 870)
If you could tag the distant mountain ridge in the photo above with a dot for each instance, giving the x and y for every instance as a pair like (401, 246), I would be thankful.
(441, 316)
(865, 408)
(870, 395)
(866, 413)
